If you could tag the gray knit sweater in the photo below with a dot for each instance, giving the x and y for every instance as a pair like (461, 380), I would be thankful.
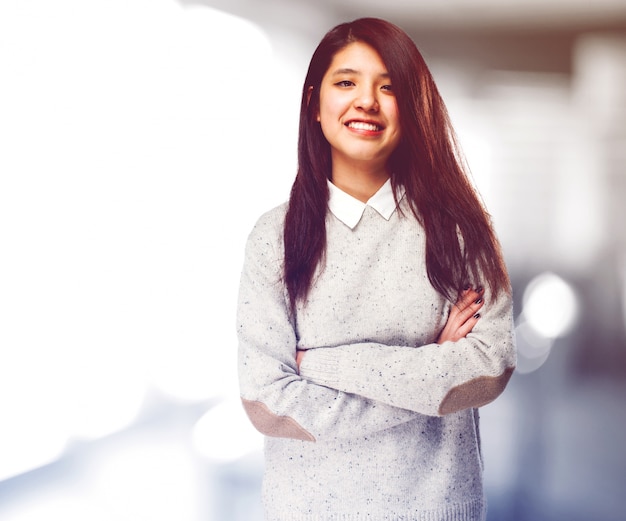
(380, 424)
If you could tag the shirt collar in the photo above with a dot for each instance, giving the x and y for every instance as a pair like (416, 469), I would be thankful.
(349, 210)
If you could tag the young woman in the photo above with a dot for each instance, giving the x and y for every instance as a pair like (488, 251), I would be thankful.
(375, 313)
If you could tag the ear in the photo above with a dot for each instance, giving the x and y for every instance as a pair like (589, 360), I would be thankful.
(308, 100)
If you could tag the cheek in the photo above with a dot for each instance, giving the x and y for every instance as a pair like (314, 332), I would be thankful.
(393, 118)
(324, 113)
(329, 118)
(392, 112)
(332, 106)
(329, 131)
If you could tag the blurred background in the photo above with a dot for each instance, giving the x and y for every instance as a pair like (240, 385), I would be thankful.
(139, 142)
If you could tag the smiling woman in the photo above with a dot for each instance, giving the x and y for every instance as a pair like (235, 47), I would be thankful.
(375, 313)
(359, 118)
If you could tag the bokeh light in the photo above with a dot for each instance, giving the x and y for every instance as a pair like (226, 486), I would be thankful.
(113, 197)
(224, 434)
(550, 305)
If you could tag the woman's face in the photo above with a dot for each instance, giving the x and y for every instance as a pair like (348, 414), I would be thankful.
(358, 111)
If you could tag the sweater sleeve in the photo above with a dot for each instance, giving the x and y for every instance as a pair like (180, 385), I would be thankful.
(431, 379)
(278, 401)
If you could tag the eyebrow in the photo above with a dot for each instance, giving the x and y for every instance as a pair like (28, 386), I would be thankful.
(347, 70)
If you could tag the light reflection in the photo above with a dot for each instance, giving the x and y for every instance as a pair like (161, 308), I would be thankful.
(152, 479)
(195, 372)
(57, 509)
(28, 439)
(550, 305)
(118, 131)
(533, 349)
(107, 399)
(224, 434)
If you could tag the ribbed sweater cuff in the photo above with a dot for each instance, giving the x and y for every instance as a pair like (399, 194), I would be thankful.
(321, 366)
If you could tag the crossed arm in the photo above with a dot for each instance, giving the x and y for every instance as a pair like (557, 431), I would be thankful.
(463, 317)
(356, 389)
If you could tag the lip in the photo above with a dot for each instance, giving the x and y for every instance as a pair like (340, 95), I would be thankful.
(363, 124)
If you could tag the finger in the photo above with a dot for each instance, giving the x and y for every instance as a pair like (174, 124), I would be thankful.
(466, 322)
(467, 297)
(469, 307)
(469, 311)
(472, 294)
(299, 356)
(468, 326)
(456, 332)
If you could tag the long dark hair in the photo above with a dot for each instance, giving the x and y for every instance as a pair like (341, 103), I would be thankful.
(461, 246)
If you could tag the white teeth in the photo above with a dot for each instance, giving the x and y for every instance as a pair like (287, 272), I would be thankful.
(360, 125)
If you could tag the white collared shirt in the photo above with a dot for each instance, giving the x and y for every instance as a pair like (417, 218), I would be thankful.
(349, 210)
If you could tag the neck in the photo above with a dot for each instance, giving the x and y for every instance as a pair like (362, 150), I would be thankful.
(360, 183)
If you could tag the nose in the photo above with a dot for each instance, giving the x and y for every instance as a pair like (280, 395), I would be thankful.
(366, 100)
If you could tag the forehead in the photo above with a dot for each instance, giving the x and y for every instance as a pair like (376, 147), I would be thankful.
(357, 57)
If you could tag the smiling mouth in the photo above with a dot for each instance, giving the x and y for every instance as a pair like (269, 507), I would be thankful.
(362, 125)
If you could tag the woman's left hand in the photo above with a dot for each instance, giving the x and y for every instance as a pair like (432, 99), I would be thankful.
(463, 316)
(299, 356)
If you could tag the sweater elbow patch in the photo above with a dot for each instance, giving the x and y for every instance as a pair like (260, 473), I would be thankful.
(271, 424)
(475, 393)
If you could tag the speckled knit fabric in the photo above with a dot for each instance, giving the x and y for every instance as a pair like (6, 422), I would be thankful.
(381, 423)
